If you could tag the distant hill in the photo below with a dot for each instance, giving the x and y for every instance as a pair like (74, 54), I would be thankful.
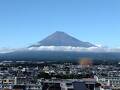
(58, 55)
(62, 39)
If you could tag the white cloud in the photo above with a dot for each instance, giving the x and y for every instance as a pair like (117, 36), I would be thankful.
(78, 49)
(62, 48)
(6, 50)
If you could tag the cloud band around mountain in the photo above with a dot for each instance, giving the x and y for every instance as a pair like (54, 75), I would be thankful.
(77, 49)
(62, 48)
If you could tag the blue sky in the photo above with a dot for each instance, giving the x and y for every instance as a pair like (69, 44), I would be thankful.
(24, 22)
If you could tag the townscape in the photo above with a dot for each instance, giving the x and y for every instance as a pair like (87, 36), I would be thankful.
(26, 75)
(59, 45)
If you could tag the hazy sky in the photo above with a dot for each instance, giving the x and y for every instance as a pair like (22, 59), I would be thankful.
(24, 22)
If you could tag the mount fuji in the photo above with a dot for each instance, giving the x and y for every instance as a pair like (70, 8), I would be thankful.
(62, 39)
(61, 46)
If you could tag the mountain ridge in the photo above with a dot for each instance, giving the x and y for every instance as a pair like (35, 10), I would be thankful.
(61, 39)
